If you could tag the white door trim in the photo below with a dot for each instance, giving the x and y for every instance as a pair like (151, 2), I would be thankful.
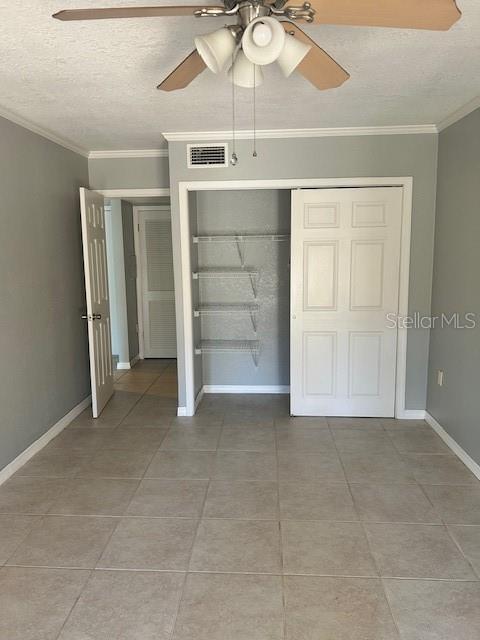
(138, 245)
(291, 183)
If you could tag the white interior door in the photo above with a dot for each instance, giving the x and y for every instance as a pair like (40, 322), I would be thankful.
(98, 309)
(157, 290)
(344, 281)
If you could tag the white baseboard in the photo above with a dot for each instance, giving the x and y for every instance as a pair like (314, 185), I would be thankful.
(128, 365)
(453, 445)
(214, 388)
(181, 412)
(411, 414)
(36, 446)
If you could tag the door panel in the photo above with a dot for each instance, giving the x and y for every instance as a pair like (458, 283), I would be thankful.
(157, 284)
(98, 308)
(345, 280)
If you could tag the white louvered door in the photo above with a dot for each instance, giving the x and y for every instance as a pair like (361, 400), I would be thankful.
(98, 306)
(157, 286)
(344, 281)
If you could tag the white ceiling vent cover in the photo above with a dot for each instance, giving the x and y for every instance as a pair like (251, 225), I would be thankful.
(205, 156)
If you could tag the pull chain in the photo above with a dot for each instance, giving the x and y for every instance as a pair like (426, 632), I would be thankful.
(254, 112)
(234, 158)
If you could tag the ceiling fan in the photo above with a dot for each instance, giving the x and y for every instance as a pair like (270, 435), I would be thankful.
(264, 34)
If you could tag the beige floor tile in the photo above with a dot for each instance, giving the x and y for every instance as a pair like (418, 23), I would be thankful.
(416, 551)
(354, 423)
(245, 465)
(326, 548)
(199, 420)
(13, 531)
(116, 464)
(251, 500)
(393, 503)
(237, 546)
(145, 440)
(55, 464)
(439, 469)
(181, 464)
(247, 439)
(468, 539)
(304, 439)
(250, 418)
(36, 602)
(86, 421)
(456, 505)
(376, 468)
(161, 419)
(96, 496)
(435, 610)
(169, 498)
(192, 438)
(65, 541)
(150, 543)
(80, 440)
(418, 441)
(393, 424)
(363, 441)
(130, 605)
(316, 501)
(337, 609)
(304, 467)
(230, 607)
(29, 495)
(311, 423)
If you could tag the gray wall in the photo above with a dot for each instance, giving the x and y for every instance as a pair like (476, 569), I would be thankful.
(254, 212)
(402, 155)
(456, 284)
(130, 278)
(117, 281)
(44, 369)
(129, 173)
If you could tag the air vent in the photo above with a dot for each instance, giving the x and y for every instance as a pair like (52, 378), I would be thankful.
(207, 155)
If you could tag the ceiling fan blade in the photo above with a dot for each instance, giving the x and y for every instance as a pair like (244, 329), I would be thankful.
(129, 12)
(437, 15)
(182, 76)
(317, 66)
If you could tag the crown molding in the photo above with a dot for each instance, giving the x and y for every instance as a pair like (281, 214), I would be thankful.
(44, 133)
(129, 153)
(188, 136)
(457, 115)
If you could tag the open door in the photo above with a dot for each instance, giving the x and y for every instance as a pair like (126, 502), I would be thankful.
(98, 308)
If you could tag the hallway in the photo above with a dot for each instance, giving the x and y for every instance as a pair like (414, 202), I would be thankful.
(238, 524)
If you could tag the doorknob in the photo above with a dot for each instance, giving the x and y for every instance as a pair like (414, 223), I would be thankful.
(94, 316)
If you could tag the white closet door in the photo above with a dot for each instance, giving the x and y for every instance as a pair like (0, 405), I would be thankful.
(98, 307)
(344, 281)
(157, 287)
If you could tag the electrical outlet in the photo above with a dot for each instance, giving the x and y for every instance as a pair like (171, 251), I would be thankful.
(440, 377)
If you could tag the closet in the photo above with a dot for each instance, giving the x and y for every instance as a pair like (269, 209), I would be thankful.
(240, 248)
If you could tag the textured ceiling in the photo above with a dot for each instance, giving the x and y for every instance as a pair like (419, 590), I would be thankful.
(93, 83)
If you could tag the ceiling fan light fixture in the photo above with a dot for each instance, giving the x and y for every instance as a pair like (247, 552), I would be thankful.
(216, 49)
(293, 52)
(263, 40)
(244, 73)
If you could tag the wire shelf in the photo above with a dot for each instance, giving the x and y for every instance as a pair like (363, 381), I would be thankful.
(229, 273)
(230, 346)
(247, 237)
(238, 308)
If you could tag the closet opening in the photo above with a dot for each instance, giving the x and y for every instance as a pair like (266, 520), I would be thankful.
(240, 264)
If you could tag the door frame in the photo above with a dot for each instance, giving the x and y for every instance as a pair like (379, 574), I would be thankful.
(138, 245)
(184, 188)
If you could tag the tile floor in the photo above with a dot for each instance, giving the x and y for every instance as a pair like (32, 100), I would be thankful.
(238, 524)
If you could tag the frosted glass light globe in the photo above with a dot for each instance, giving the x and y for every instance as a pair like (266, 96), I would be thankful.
(262, 34)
